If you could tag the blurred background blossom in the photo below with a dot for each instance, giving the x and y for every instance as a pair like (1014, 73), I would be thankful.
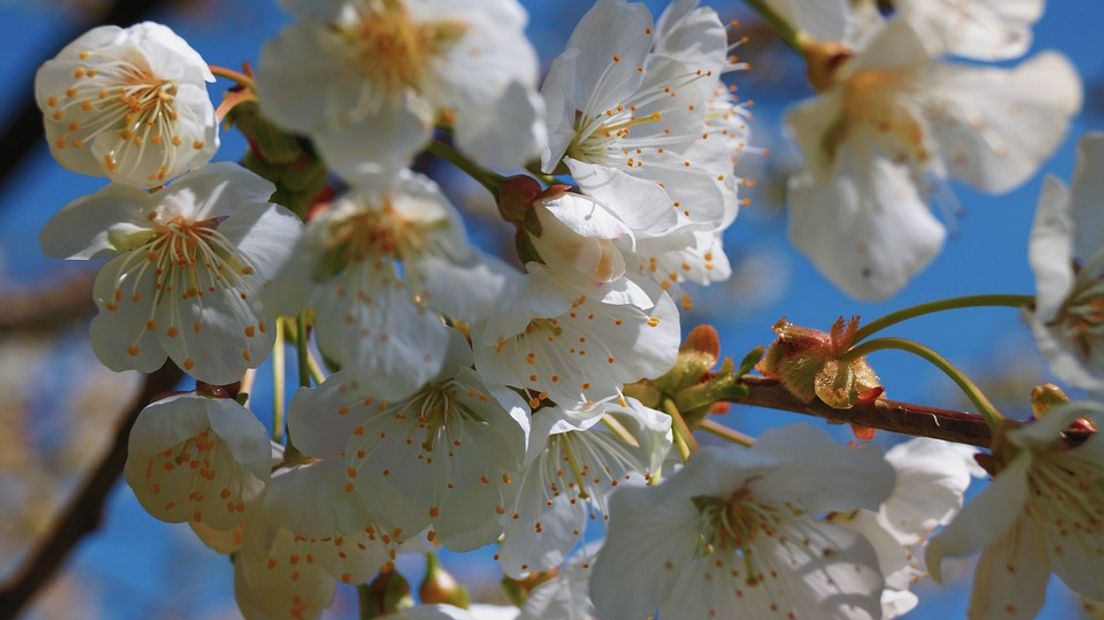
(59, 407)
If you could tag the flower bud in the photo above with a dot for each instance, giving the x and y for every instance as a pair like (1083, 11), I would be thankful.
(704, 339)
(385, 595)
(808, 363)
(515, 199)
(440, 587)
(1045, 397)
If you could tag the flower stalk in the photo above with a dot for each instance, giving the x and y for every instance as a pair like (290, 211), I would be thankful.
(952, 303)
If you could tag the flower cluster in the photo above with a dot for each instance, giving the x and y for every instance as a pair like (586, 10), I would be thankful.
(462, 401)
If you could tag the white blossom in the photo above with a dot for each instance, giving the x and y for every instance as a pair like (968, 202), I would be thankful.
(1043, 513)
(380, 266)
(893, 126)
(128, 104)
(196, 459)
(187, 264)
(577, 343)
(735, 534)
(641, 119)
(1067, 256)
(566, 596)
(368, 79)
(574, 460)
(445, 455)
(303, 599)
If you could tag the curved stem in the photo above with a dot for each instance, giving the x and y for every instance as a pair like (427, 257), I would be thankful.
(490, 180)
(783, 28)
(234, 76)
(931, 307)
(233, 100)
(984, 406)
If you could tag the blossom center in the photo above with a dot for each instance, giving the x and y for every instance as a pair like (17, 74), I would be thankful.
(122, 105)
(392, 50)
(877, 99)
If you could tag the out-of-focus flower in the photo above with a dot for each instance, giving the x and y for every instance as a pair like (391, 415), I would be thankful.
(1067, 256)
(187, 264)
(193, 458)
(735, 534)
(128, 104)
(567, 595)
(1043, 513)
(446, 455)
(367, 80)
(380, 266)
(894, 124)
(577, 344)
(573, 462)
(980, 29)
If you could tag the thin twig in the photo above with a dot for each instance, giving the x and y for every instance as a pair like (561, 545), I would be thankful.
(85, 511)
(887, 415)
(65, 299)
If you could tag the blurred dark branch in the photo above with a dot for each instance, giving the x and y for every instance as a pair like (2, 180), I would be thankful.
(64, 300)
(888, 415)
(85, 511)
(24, 132)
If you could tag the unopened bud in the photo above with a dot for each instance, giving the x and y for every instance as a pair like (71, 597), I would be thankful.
(809, 364)
(385, 595)
(515, 198)
(704, 339)
(1045, 397)
(440, 587)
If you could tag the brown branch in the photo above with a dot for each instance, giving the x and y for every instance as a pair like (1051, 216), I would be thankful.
(68, 298)
(887, 415)
(85, 511)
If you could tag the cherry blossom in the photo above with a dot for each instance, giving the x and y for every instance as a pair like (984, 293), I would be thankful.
(893, 125)
(380, 266)
(128, 104)
(446, 455)
(1043, 513)
(981, 29)
(197, 459)
(368, 79)
(1067, 256)
(574, 460)
(186, 265)
(576, 343)
(734, 534)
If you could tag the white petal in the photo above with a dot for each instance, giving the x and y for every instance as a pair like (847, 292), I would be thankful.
(823, 20)
(378, 145)
(1085, 195)
(303, 599)
(868, 230)
(214, 190)
(827, 476)
(1011, 575)
(992, 514)
(642, 205)
(995, 127)
(86, 227)
(612, 42)
(119, 333)
(508, 134)
(984, 30)
(1051, 249)
(932, 477)
(264, 234)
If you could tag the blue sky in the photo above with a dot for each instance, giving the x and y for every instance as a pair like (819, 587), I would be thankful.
(987, 253)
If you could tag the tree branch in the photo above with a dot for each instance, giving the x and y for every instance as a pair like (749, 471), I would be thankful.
(887, 415)
(85, 510)
(67, 298)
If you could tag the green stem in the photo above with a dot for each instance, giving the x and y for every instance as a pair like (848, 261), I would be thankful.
(984, 406)
(301, 350)
(783, 28)
(952, 303)
(490, 180)
(683, 436)
(278, 369)
(315, 369)
(726, 433)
